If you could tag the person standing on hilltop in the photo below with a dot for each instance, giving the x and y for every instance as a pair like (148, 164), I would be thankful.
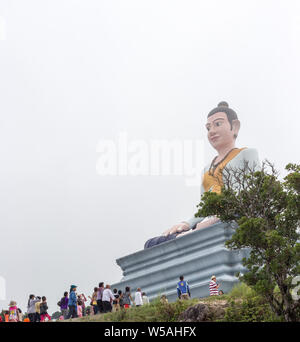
(121, 304)
(213, 286)
(38, 310)
(94, 301)
(44, 310)
(127, 299)
(83, 300)
(99, 297)
(164, 299)
(13, 312)
(72, 303)
(145, 298)
(20, 314)
(31, 307)
(138, 297)
(63, 304)
(183, 290)
(107, 299)
(79, 306)
(116, 305)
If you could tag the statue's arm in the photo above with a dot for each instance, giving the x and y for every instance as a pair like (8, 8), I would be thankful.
(251, 156)
(193, 221)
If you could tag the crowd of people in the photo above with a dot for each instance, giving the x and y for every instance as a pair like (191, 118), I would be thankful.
(102, 300)
(73, 305)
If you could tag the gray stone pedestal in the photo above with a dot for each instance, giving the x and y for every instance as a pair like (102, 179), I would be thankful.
(197, 256)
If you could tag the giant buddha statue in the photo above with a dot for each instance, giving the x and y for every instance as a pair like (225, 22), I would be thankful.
(222, 131)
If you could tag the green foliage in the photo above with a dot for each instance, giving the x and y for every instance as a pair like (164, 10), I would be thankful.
(245, 305)
(253, 309)
(153, 312)
(267, 211)
(240, 290)
(293, 178)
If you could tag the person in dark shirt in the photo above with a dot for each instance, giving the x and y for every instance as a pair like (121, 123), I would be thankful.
(64, 305)
(44, 309)
(116, 305)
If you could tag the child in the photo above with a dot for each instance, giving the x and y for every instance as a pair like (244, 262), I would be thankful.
(79, 307)
(94, 301)
(13, 312)
(20, 315)
(116, 305)
(127, 299)
(37, 309)
(164, 299)
(6, 316)
(83, 300)
(121, 304)
(145, 298)
(72, 304)
(43, 310)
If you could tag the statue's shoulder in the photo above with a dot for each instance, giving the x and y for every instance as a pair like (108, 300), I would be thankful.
(248, 151)
(246, 154)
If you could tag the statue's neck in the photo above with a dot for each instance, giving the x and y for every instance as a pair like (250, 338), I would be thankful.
(222, 152)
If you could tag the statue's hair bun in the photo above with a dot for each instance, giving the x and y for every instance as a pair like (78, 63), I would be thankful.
(223, 107)
(223, 104)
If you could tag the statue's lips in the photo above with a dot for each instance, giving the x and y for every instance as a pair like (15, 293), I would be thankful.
(214, 138)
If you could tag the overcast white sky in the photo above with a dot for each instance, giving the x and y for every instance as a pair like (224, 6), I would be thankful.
(75, 72)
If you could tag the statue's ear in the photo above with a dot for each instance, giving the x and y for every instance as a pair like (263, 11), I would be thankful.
(236, 127)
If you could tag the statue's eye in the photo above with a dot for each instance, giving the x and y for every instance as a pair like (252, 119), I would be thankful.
(207, 127)
(219, 123)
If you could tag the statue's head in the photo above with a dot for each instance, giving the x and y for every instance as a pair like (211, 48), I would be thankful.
(222, 126)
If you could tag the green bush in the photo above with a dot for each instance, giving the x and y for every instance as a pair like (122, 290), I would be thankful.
(241, 290)
(246, 306)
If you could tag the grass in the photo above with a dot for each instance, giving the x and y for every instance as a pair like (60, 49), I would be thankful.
(153, 312)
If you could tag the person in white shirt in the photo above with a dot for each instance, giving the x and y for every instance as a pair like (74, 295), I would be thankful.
(145, 298)
(138, 297)
(107, 299)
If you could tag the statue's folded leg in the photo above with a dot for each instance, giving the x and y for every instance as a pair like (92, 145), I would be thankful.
(158, 240)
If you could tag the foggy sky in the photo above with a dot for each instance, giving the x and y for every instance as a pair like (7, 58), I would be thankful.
(75, 72)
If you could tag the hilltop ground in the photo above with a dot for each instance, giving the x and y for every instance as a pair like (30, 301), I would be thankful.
(241, 304)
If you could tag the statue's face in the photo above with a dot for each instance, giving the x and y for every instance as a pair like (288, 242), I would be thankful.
(219, 131)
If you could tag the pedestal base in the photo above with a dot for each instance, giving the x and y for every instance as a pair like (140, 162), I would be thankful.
(197, 256)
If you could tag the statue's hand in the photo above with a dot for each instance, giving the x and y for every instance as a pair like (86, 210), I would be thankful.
(184, 233)
(177, 228)
(208, 221)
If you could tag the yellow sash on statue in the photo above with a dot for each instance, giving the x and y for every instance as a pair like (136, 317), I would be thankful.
(212, 179)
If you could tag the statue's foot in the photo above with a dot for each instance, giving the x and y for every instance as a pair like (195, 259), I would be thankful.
(158, 240)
